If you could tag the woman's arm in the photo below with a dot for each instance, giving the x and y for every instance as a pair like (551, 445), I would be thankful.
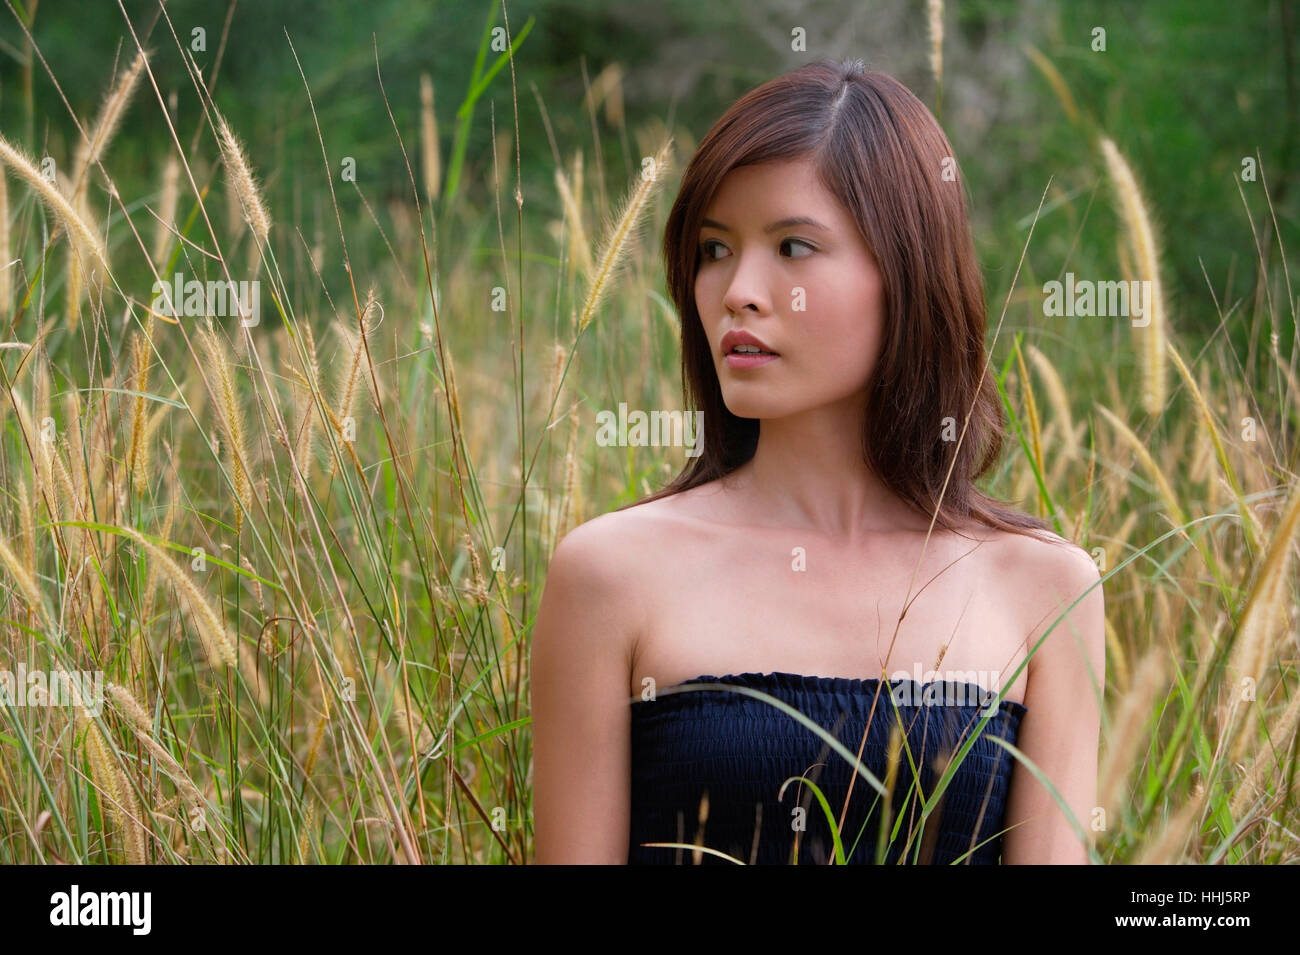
(1060, 731)
(579, 693)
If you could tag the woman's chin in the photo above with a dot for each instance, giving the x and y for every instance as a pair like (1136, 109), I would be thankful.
(748, 408)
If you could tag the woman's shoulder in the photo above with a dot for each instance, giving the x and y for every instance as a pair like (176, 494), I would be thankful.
(635, 545)
(1044, 557)
(1044, 575)
(659, 514)
(612, 531)
(611, 568)
(592, 546)
(613, 545)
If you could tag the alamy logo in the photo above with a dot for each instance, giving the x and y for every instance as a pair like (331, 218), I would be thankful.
(1105, 299)
(658, 429)
(195, 299)
(102, 908)
(946, 688)
(84, 688)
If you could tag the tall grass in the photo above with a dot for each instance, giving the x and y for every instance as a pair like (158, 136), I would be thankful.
(305, 553)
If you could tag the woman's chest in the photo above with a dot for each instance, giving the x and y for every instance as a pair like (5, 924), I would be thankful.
(775, 603)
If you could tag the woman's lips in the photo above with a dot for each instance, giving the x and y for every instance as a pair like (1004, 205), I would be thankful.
(740, 361)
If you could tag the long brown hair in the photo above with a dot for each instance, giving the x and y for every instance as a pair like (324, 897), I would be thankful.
(882, 154)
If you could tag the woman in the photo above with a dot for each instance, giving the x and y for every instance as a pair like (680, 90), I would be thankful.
(829, 538)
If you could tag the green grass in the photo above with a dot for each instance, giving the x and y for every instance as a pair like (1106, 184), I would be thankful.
(379, 712)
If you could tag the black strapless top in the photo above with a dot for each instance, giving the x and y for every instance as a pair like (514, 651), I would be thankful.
(737, 750)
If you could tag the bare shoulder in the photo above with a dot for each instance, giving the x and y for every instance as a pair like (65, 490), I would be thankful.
(595, 547)
(624, 537)
(580, 664)
(598, 566)
(1056, 586)
(1047, 563)
(612, 547)
(1065, 626)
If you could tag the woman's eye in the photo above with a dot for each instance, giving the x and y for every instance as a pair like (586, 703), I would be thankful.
(800, 242)
(704, 249)
(709, 243)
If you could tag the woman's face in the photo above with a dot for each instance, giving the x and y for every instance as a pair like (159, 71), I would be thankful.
(810, 293)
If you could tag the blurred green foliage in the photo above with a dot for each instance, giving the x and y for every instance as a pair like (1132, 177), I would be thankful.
(1187, 90)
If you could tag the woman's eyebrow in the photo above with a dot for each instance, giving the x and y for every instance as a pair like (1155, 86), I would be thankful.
(771, 227)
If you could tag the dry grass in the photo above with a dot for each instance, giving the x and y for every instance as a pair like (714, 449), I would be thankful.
(1140, 237)
(23, 167)
(239, 175)
(308, 564)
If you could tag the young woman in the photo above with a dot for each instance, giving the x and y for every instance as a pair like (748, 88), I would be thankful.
(828, 551)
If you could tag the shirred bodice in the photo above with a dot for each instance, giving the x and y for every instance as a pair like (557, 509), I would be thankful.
(738, 750)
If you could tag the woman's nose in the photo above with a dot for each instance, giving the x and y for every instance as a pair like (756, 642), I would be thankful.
(746, 288)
